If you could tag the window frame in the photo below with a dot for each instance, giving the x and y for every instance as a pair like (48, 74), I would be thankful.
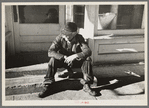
(76, 14)
(18, 13)
(122, 31)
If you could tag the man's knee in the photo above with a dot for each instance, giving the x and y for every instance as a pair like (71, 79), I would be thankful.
(88, 59)
(55, 63)
(52, 61)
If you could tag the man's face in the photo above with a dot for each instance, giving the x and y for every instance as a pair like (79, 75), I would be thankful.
(70, 37)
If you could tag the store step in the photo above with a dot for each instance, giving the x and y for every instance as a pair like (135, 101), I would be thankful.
(98, 71)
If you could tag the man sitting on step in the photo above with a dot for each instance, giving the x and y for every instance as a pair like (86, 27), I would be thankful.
(69, 50)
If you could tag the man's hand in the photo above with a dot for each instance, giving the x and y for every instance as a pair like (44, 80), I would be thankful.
(69, 59)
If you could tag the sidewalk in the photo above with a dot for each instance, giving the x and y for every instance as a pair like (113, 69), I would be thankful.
(25, 83)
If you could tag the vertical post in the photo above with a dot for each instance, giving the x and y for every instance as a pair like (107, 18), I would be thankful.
(143, 18)
(99, 26)
(12, 38)
(90, 25)
(90, 20)
(114, 9)
(69, 13)
(62, 16)
(96, 20)
(17, 33)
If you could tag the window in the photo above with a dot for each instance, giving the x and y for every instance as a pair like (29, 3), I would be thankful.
(39, 14)
(79, 15)
(120, 17)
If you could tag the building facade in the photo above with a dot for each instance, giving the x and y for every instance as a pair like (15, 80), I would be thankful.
(115, 32)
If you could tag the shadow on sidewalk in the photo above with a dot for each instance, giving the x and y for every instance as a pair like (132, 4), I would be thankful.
(62, 85)
(122, 81)
(67, 84)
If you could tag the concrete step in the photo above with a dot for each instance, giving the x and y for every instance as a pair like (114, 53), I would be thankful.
(29, 84)
(34, 83)
(98, 71)
(26, 80)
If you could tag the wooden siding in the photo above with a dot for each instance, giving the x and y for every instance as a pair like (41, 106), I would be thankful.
(121, 32)
(120, 49)
(34, 47)
(119, 58)
(37, 39)
(39, 29)
(35, 43)
(119, 39)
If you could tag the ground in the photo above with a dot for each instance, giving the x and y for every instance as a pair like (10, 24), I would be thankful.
(111, 83)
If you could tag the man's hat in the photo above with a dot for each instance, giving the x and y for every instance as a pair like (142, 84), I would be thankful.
(70, 29)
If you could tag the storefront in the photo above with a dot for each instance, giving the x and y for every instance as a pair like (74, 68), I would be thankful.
(115, 33)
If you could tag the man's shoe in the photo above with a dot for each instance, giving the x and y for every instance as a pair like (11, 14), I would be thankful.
(44, 93)
(82, 81)
(48, 81)
(87, 88)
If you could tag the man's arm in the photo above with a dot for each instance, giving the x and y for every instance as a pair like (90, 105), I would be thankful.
(86, 51)
(56, 45)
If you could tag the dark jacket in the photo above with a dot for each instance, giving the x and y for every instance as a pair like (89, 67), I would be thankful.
(59, 47)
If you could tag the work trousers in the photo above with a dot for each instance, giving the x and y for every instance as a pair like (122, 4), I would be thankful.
(85, 66)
